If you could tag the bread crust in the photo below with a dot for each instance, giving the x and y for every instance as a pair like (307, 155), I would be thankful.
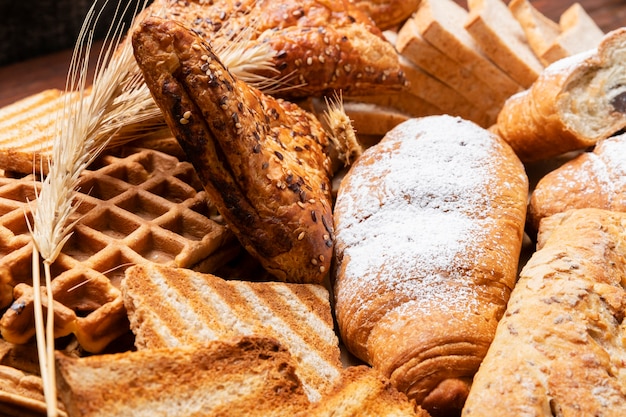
(429, 227)
(576, 102)
(263, 161)
(388, 13)
(559, 348)
(595, 179)
(318, 46)
(502, 39)
(221, 378)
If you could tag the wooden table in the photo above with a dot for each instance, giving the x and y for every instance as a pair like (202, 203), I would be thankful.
(25, 78)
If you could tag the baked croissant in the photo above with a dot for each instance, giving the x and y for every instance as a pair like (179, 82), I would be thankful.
(559, 350)
(429, 225)
(574, 103)
(263, 161)
(316, 46)
(595, 179)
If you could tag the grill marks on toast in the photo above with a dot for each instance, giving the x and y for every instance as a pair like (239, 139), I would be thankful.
(170, 307)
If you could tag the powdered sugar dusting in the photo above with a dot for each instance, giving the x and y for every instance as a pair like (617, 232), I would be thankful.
(613, 154)
(409, 215)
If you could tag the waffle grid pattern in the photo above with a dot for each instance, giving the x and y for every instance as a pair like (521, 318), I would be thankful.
(143, 207)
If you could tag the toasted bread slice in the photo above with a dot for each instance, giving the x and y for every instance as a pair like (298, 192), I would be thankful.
(170, 307)
(502, 39)
(220, 378)
(540, 30)
(27, 131)
(579, 33)
(21, 394)
(363, 391)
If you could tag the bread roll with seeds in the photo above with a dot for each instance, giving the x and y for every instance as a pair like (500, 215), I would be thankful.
(313, 47)
(263, 161)
(574, 103)
(429, 226)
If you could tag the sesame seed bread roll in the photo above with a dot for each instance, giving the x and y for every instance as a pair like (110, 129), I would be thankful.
(429, 226)
(574, 103)
(263, 161)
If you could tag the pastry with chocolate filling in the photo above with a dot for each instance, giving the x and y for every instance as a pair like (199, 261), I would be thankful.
(576, 102)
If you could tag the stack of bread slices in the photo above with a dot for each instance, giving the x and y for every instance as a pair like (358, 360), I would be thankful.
(468, 61)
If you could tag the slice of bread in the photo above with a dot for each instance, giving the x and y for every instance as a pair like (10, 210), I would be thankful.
(441, 23)
(579, 33)
(502, 39)
(221, 378)
(27, 130)
(422, 54)
(170, 307)
(541, 31)
(363, 391)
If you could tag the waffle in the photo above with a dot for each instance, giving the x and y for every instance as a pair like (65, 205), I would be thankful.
(134, 207)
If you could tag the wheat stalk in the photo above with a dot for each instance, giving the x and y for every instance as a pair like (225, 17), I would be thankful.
(83, 129)
(341, 131)
(115, 109)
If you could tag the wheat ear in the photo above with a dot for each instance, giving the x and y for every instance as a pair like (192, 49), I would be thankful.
(342, 133)
(77, 142)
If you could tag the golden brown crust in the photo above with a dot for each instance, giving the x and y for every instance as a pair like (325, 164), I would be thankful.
(364, 391)
(168, 307)
(263, 161)
(429, 226)
(319, 45)
(574, 103)
(559, 350)
(594, 179)
(221, 378)
(387, 13)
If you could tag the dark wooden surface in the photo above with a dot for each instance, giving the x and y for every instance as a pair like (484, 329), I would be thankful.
(28, 77)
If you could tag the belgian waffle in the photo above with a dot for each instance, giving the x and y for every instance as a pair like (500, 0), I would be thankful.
(134, 207)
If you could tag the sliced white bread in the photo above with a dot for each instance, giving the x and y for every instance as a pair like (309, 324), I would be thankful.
(502, 39)
(425, 56)
(579, 33)
(441, 23)
(540, 30)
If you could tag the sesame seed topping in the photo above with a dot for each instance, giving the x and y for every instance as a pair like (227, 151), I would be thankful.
(322, 268)
(301, 204)
(301, 236)
(309, 61)
(187, 114)
(314, 261)
(183, 121)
